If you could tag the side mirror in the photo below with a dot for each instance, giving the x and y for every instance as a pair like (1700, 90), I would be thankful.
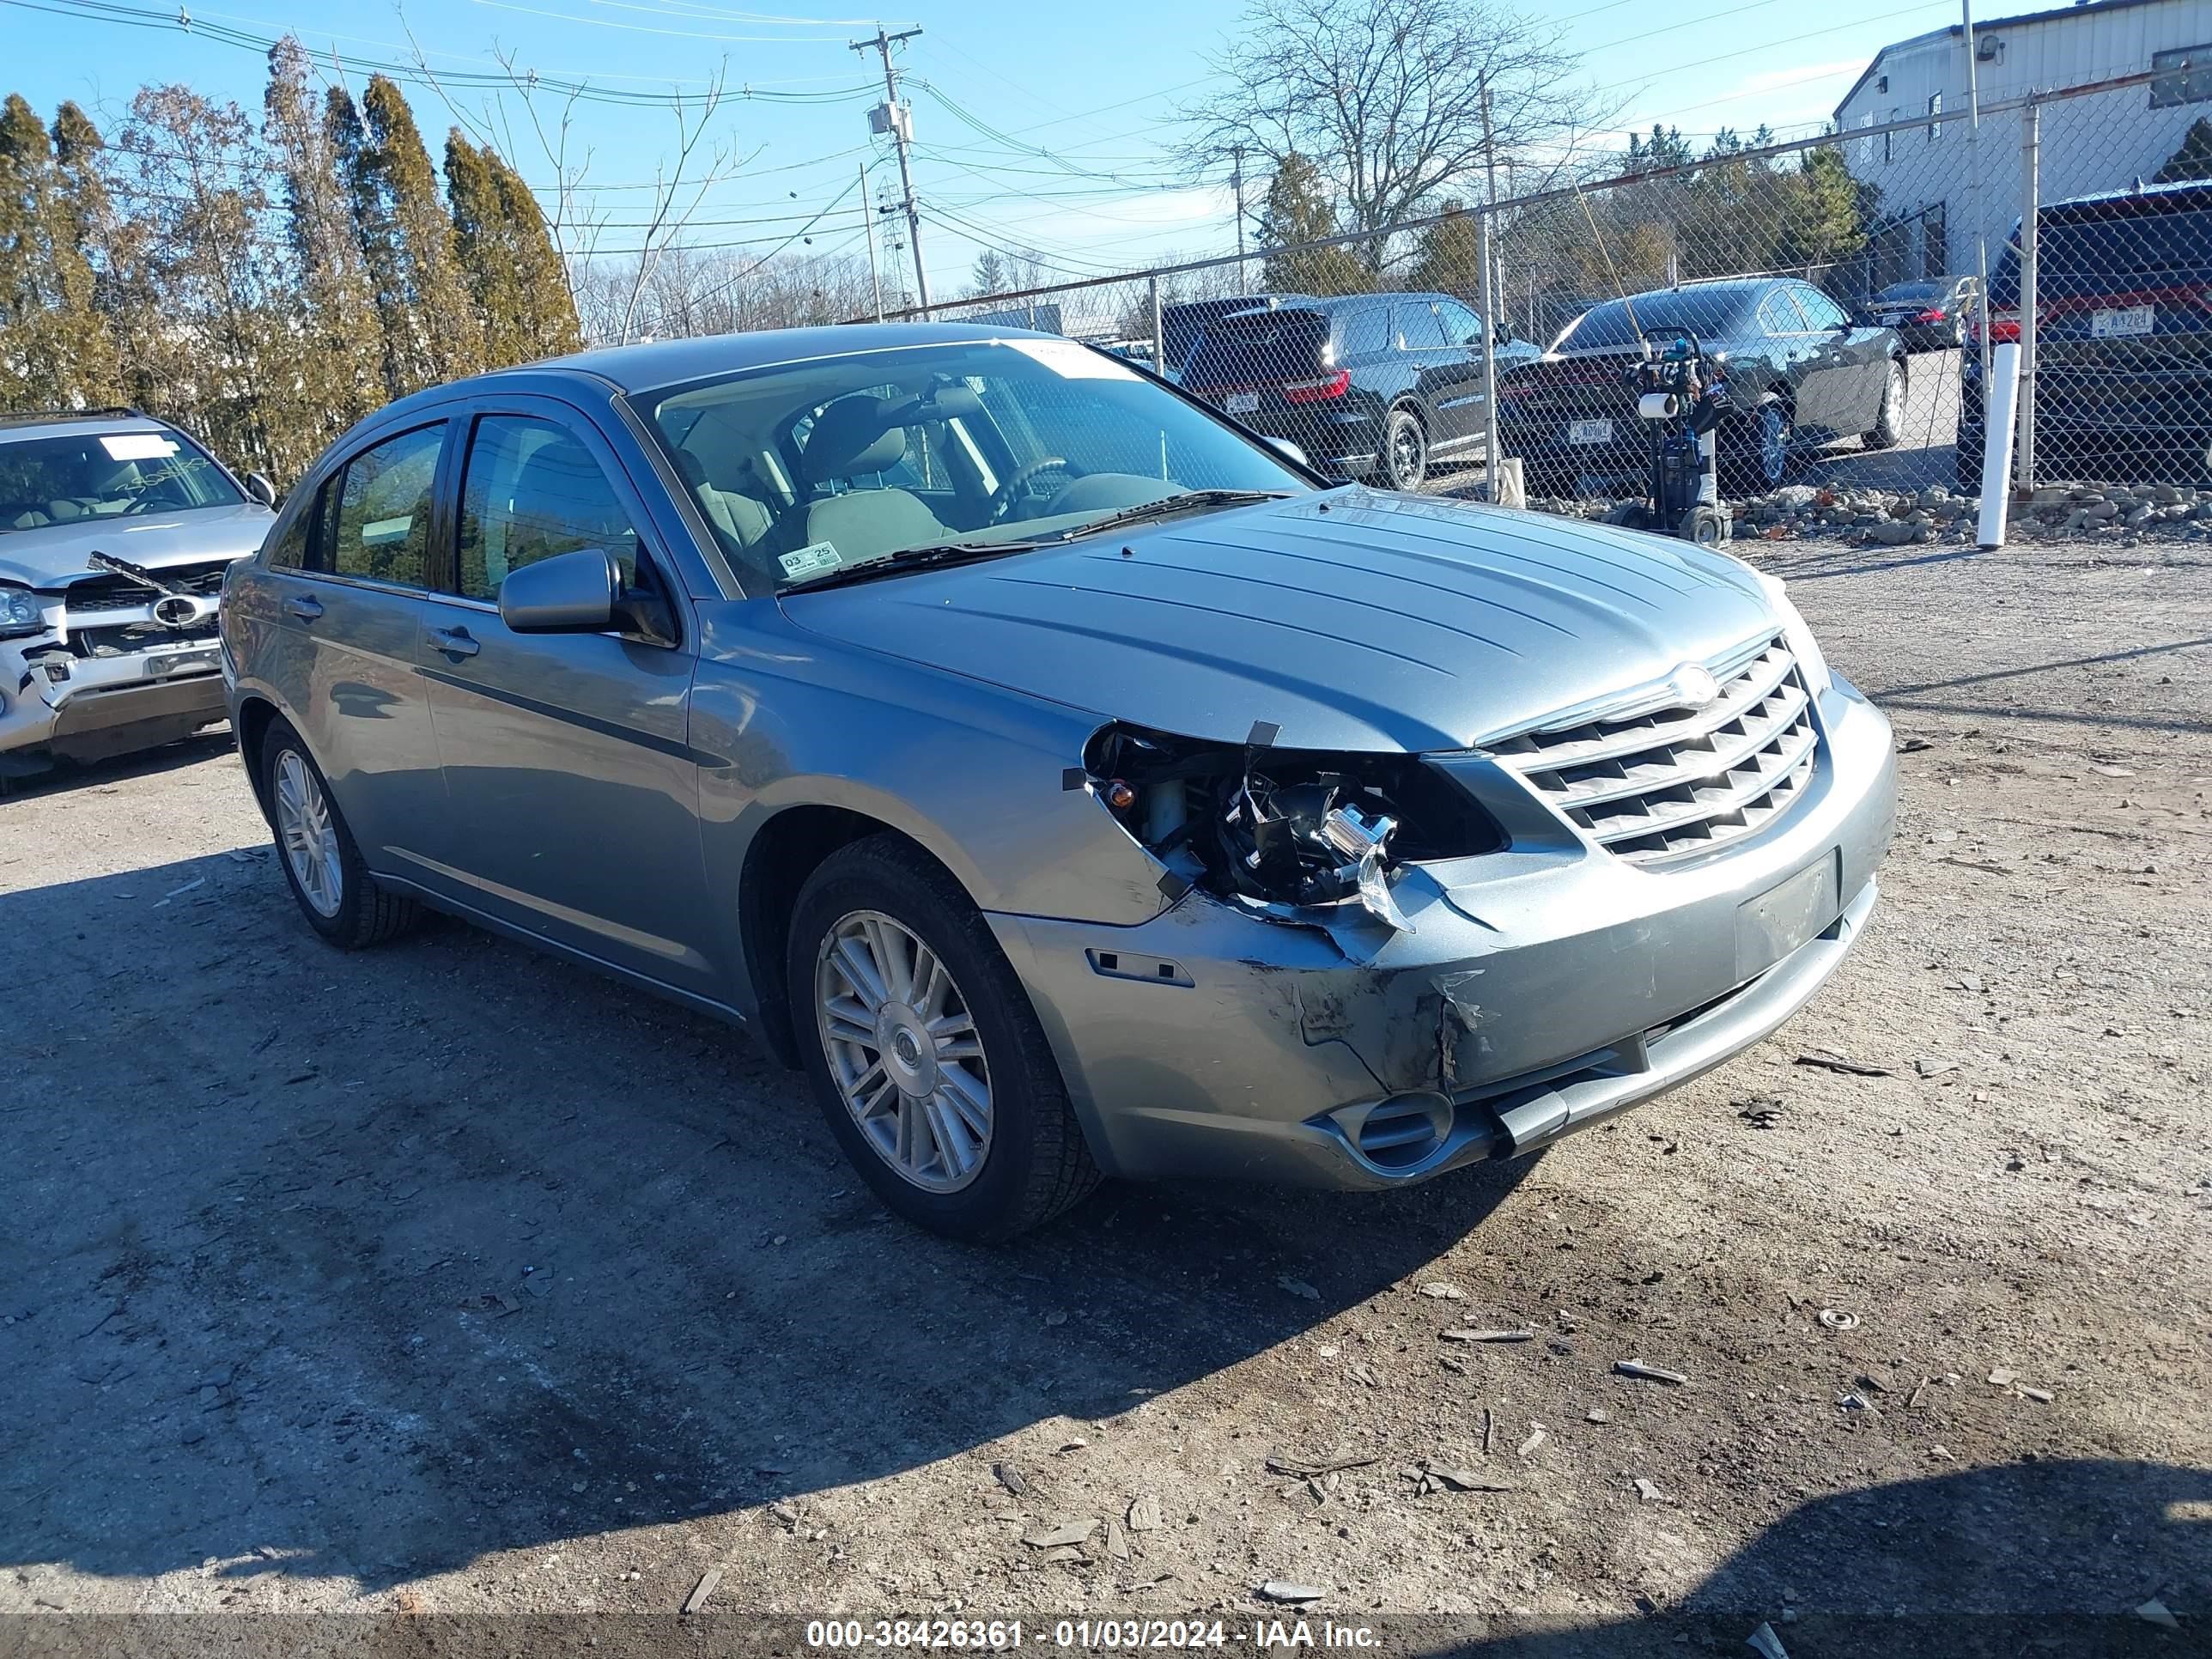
(258, 487)
(1285, 446)
(569, 593)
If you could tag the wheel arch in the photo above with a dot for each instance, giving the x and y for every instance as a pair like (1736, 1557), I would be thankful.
(783, 853)
(256, 715)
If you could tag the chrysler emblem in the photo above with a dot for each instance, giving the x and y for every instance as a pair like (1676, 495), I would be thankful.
(1692, 686)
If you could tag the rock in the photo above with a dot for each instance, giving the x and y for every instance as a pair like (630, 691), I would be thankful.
(1597, 1414)
(1117, 1541)
(1766, 1643)
(1934, 1065)
(2002, 1377)
(1145, 1514)
(1537, 1436)
(1648, 1492)
(1895, 533)
(1059, 1537)
(702, 1589)
(1649, 1373)
(2049, 495)
(1010, 1478)
(1298, 1287)
(1282, 1589)
(1794, 498)
(1444, 1292)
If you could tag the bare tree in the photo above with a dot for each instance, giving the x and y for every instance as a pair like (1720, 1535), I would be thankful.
(1385, 98)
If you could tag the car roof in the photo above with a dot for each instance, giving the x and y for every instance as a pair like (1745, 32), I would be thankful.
(663, 363)
(1742, 287)
(61, 422)
(2186, 193)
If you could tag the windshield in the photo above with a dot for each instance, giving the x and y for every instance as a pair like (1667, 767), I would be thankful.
(1709, 314)
(805, 469)
(102, 475)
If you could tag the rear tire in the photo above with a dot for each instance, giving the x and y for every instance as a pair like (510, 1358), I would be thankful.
(985, 1146)
(1968, 470)
(1756, 456)
(322, 865)
(1405, 451)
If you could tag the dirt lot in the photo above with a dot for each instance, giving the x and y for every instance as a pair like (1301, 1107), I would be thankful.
(447, 1278)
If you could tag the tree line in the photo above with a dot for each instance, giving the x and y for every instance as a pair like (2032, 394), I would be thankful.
(264, 283)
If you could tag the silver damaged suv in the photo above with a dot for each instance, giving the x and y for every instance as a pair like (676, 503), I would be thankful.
(1071, 783)
(115, 531)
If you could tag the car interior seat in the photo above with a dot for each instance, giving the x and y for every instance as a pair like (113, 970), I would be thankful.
(855, 437)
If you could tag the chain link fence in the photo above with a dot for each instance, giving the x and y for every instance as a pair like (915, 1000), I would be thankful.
(1857, 293)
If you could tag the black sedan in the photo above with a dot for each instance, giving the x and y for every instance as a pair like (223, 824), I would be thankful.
(1928, 316)
(1368, 384)
(1801, 374)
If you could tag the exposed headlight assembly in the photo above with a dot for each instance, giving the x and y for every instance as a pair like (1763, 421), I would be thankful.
(19, 613)
(1799, 637)
(1280, 827)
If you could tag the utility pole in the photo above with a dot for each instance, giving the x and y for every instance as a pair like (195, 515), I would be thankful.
(1237, 183)
(868, 227)
(900, 125)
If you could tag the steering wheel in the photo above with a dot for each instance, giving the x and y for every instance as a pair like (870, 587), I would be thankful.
(1002, 498)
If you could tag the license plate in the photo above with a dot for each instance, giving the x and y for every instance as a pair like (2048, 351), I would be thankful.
(180, 662)
(1589, 432)
(2125, 321)
(1243, 403)
(1771, 925)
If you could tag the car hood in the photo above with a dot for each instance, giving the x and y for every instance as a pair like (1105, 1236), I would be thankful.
(1351, 620)
(55, 554)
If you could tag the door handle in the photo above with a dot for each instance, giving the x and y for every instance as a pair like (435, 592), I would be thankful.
(454, 642)
(306, 607)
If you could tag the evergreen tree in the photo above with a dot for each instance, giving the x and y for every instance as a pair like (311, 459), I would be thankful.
(33, 371)
(2193, 160)
(333, 316)
(83, 216)
(481, 246)
(989, 275)
(1448, 257)
(547, 310)
(430, 330)
(1297, 211)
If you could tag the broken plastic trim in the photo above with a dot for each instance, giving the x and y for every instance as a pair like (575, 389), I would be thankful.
(1272, 827)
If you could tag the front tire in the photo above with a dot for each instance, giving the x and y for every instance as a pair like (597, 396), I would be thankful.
(928, 1060)
(321, 864)
(1405, 451)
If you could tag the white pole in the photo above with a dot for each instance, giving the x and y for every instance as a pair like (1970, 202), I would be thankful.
(1974, 168)
(2003, 385)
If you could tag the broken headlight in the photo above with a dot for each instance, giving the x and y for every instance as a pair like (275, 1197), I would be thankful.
(19, 613)
(1284, 826)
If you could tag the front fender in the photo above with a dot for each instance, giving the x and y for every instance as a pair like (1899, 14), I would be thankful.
(975, 773)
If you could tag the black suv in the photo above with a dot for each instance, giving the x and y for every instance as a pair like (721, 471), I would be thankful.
(1369, 383)
(2124, 337)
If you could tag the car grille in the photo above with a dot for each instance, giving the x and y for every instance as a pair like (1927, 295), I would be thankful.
(1679, 781)
(92, 595)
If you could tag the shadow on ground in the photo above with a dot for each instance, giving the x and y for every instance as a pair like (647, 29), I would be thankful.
(371, 1265)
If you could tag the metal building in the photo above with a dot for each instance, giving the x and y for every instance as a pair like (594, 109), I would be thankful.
(1927, 205)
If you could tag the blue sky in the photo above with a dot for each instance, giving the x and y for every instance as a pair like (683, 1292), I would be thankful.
(1078, 102)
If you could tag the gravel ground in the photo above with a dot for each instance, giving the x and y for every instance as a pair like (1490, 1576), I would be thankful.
(447, 1278)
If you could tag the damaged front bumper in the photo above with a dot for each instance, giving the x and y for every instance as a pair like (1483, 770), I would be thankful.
(59, 703)
(1542, 989)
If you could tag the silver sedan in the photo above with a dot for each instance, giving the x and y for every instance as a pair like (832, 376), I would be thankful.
(1071, 783)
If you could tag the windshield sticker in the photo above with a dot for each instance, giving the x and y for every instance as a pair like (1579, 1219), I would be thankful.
(1071, 361)
(138, 446)
(815, 555)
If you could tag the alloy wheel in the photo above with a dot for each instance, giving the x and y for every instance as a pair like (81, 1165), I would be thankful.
(903, 1050)
(309, 835)
(1407, 463)
(1773, 446)
(1892, 399)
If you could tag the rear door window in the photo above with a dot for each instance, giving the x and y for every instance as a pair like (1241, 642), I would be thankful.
(1418, 327)
(1365, 332)
(380, 511)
